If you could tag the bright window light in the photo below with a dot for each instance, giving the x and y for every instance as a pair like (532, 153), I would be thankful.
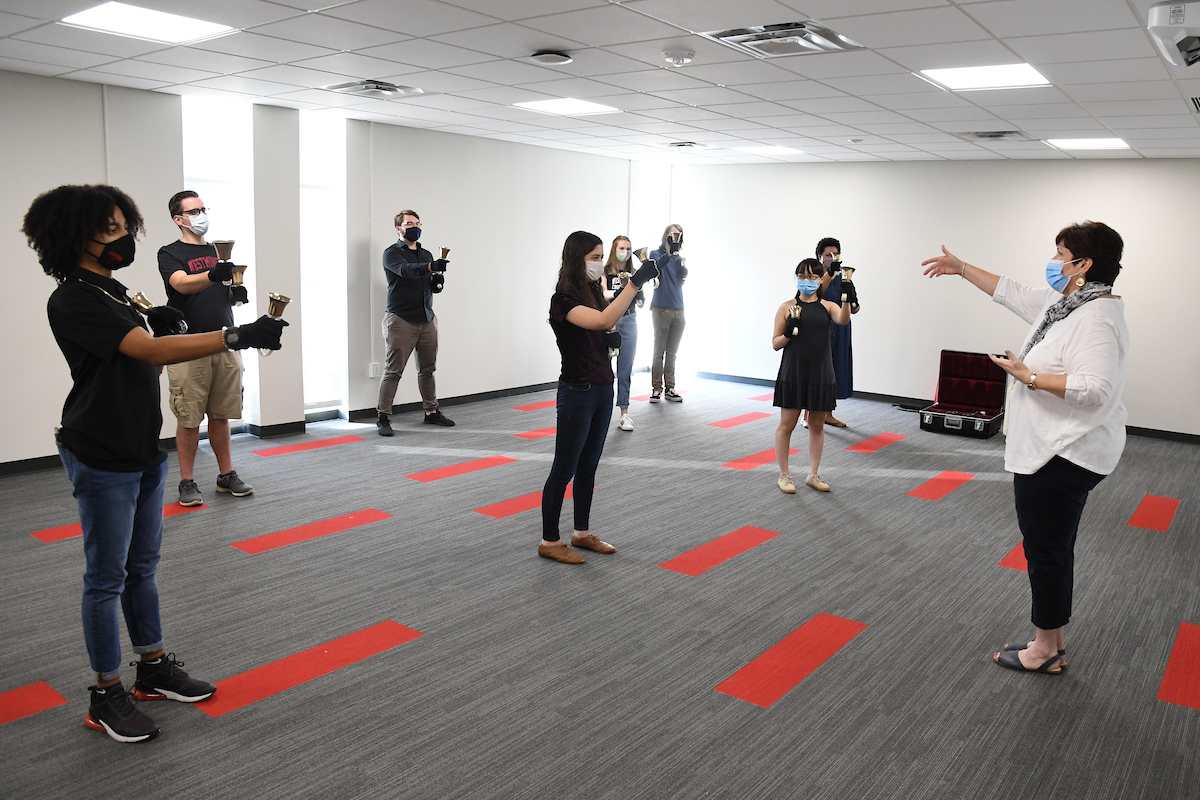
(772, 150)
(1088, 144)
(1003, 76)
(142, 23)
(567, 107)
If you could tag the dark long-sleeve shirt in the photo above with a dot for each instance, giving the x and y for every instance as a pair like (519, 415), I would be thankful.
(410, 295)
(669, 293)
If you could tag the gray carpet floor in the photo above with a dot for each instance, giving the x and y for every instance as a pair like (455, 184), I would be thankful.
(540, 680)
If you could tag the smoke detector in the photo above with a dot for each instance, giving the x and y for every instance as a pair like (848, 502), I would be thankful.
(381, 90)
(552, 58)
(784, 39)
(677, 58)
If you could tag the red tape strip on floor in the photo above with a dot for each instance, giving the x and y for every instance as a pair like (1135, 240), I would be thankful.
(942, 485)
(536, 406)
(297, 448)
(75, 529)
(756, 460)
(1015, 559)
(538, 434)
(703, 558)
(270, 679)
(28, 700)
(741, 420)
(765, 397)
(1154, 513)
(526, 502)
(876, 442)
(461, 469)
(1181, 680)
(777, 671)
(313, 530)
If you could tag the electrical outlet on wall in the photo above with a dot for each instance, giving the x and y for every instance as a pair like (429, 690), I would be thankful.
(375, 371)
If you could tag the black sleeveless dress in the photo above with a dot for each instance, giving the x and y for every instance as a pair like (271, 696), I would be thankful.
(806, 378)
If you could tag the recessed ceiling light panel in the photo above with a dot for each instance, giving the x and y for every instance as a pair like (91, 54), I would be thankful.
(142, 23)
(566, 107)
(1001, 76)
(785, 39)
(1088, 144)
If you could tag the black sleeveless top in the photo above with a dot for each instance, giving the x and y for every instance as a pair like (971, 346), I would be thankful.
(806, 378)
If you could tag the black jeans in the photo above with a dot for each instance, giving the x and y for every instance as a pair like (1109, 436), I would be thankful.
(584, 411)
(1049, 505)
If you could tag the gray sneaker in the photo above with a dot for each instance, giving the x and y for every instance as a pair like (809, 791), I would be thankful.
(189, 494)
(230, 483)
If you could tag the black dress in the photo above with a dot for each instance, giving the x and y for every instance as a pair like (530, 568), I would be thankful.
(806, 378)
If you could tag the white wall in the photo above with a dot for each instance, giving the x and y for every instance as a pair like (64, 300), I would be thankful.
(504, 209)
(748, 226)
(55, 132)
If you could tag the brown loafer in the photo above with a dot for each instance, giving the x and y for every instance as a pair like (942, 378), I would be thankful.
(592, 542)
(559, 552)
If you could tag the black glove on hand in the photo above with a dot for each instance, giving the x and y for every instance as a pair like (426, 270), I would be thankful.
(264, 332)
(238, 295)
(612, 340)
(437, 282)
(639, 298)
(166, 321)
(648, 271)
(849, 293)
(791, 327)
(223, 271)
(834, 266)
(439, 265)
(683, 272)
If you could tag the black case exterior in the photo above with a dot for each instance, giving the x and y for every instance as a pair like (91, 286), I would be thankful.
(970, 397)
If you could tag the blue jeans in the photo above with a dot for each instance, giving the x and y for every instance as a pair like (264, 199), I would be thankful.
(627, 327)
(584, 411)
(121, 516)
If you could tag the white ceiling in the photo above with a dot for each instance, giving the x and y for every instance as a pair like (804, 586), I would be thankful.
(470, 57)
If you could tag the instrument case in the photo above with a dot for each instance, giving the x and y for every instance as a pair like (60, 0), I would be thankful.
(970, 396)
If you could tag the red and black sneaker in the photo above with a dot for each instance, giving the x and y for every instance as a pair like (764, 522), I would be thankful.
(113, 712)
(163, 679)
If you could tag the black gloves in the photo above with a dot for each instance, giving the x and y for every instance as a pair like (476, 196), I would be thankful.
(849, 293)
(791, 324)
(238, 295)
(648, 271)
(166, 321)
(437, 282)
(263, 333)
(682, 273)
(834, 266)
(639, 298)
(612, 340)
(439, 265)
(223, 271)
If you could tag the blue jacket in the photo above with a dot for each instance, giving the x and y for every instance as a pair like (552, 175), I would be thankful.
(669, 293)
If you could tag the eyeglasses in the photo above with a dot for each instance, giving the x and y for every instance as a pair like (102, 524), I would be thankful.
(191, 212)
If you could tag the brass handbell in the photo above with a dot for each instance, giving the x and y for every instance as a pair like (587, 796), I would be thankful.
(239, 274)
(847, 273)
(794, 312)
(445, 252)
(277, 303)
(624, 276)
(224, 248)
(643, 254)
(142, 302)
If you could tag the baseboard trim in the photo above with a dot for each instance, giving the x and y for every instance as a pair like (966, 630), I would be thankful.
(360, 414)
(1170, 436)
(271, 431)
(717, 376)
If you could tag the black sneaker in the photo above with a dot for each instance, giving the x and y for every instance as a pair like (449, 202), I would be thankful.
(438, 418)
(230, 483)
(384, 424)
(673, 396)
(113, 712)
(189, 494)
(163, 679)
(655, 396)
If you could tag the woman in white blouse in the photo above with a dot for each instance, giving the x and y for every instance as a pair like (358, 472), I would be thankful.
(1065, 423)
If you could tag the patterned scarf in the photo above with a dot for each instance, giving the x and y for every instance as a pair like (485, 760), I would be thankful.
(1062, 309)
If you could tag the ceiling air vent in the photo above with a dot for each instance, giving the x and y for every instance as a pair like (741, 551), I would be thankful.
(996, 136)
(785, 39)
(687, 146)
(1196, 104)
(381, 90)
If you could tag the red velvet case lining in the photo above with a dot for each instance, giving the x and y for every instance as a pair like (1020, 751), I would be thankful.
(969, 383)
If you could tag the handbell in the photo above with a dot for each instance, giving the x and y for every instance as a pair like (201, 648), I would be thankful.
(445, 252)
(224, 248)
(642, 254)
(847, 273)
(142, 302)
(794, 312)
(277, 304)
(239, 272)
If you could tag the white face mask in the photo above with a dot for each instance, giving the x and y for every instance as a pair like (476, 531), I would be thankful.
(199, 223)
(594, 269)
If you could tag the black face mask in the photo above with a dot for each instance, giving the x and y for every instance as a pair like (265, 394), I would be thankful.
(412, 234)
(117, 253)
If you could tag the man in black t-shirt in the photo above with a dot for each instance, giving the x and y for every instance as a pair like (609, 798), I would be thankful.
(413, 278)
(194, 279)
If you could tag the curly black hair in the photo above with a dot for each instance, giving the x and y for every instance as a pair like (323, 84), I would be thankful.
(828, 241)
(60, 221)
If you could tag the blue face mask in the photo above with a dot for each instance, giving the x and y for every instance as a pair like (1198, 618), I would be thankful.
(1054, 274)
(808, 285)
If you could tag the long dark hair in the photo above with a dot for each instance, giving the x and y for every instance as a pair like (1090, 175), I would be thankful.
(59, 221)
(612, 266)
(572, 275)
(665, 245)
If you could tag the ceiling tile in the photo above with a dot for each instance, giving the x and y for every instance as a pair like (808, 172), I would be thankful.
(920, 26)
(506, 95)
(32, 67)
(432, 81)
(1129, 108)
(113, 80)
(820, 105)
(904, 83)
(47, 9)
(751, 109)
(1113, 71)
(923, 138)
(705, 15)
(1062, 128)
(509, 40)
(1041, 111)
(736, 73)
(356, 65)
(412, 17)
(787, 120)
(954, 54)
(320, 97)
(234, 13)
(1073, 47)
(653, 80)
(797, 89)
(427, 54)
(46, 54)
(683, 114)
(892, 129)
(905, 101)
(296, 76)
(221, 63)
(828, 9)
(236, 83)
(1132, 90)
(506, 72)
(327, 31)
(634, 101)
(159, 73)
(932, 115)
(89, 41)
(447, 102)
(849, 64)
(708, 96)
(1028, 96)
(14, 23)
(864, 117)
(580, 88)
(1036, 17)
(268, 48)
(1121, 122)
(593, 61)
(706, 50)
(605, 25)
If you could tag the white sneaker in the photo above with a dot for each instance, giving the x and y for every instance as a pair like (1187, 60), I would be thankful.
(626, 424)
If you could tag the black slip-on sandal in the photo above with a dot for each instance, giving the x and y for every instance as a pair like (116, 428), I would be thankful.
(1012, 660)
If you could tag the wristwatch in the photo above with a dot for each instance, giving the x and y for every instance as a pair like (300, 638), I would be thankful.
(231, 337)
(1032, 382)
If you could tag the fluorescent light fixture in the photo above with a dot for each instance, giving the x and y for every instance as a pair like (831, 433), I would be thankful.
(566, 107)
(143, 23)
(1002, 76)
(771, 150)
(1088, 144)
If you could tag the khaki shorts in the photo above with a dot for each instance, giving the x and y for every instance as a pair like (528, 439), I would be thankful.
(211, 385)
